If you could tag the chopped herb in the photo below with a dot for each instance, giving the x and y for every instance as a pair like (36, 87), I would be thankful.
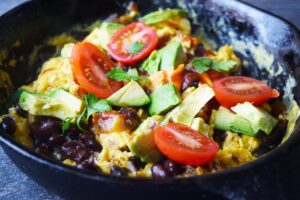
(203, 64)
(121, 75)
(93, 105)
(66, 123)
(135, 47)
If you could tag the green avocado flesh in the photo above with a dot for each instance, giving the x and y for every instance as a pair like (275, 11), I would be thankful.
(131, 95)
(258, 117)
(57, 103)
(186, 111)
(164, 15)
(163, 99)
(142, 142)
(226, 120)
(168, 58)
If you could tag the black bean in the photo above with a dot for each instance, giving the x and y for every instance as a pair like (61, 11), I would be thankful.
(190, 79)
(20, 111)
(74, 150)
(158, 171)
(173, 168)
(118, 171)
(56, 140)
(86, 136)
(274, 138)
(219, 137)
(132, 120)
(136, 161)
(72, 134)
(8, 125)
(261, 150)
(93, 145)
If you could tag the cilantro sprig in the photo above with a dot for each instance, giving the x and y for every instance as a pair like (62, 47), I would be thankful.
(203, 64)
(135, 47)
(121, 75)
(93, 105)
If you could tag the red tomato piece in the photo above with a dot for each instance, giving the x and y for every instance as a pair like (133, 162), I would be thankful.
(239, 89)
(137, 32)
(185, 145)
(90, 66)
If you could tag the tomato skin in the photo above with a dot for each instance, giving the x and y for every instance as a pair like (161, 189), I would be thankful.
(117, 47)
(86, 57)
(185, 145)
(232, 90)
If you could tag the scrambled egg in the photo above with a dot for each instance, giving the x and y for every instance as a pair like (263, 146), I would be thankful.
(22, 129)
(56, 73)
(114, 150)
(236, 150)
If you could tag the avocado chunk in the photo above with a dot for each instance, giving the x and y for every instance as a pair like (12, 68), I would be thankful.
(57, 103)
(130, 95)
(172, 56)
(163, 99)
(185, 112)
(167, 58)
(258, 117)
(224, 119)
(66, 51)
(152, 63)
(164, 15)
(101, 36)
(141, 142)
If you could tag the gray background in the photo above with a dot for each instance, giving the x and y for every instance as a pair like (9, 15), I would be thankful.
(14, 185)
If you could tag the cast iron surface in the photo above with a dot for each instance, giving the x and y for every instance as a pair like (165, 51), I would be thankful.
(237, 184)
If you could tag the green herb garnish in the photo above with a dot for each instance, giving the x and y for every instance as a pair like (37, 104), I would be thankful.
(121, 75)
(67, 123)
(94, 105)
(203, 64)
(135, 47)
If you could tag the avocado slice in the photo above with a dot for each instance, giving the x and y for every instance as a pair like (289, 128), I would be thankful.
(66, 51)
(186, 111)
(152, 63)
(164, 15)
(101, 36)
(57, 103)
(130, 95)
(226, 120)
(163, 99)
(141, 142)
(258, 117)
(172, 56)
(167, 58)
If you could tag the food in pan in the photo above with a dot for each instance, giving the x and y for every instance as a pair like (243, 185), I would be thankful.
(141, 96)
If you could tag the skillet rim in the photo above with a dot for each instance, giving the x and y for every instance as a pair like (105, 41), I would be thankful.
(23, 151)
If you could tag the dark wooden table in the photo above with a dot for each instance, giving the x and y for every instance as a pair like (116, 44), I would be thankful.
(14, 185)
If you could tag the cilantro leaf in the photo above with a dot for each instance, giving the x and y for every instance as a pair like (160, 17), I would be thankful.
(81, 118)
(93, 105)
(135, 47)
(203, 64)
(121, 75)
(66, 123)
(223, 65)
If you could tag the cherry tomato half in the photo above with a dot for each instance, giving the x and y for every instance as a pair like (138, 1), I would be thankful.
(137, 33)
(239, 89)
(90, 66)
(185, 145)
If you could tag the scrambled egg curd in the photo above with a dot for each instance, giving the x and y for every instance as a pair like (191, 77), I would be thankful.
(143, 99)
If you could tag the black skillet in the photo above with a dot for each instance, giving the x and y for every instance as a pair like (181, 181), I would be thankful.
(224, 22)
